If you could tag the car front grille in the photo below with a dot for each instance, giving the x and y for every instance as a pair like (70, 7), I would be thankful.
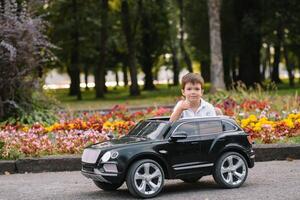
(88, 168)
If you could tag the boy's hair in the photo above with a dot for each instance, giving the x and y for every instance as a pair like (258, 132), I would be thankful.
(192, 78)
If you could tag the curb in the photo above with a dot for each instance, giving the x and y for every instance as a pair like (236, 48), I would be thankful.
(263, 152)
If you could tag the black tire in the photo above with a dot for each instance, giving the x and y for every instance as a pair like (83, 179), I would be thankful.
(191, 179)
(220, 177)
(107, 186)
(135, 168)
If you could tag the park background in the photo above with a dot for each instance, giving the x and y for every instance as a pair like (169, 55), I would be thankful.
(120, 61)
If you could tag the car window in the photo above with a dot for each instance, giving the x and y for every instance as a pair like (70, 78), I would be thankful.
(210, 127)
(191, 128)
(148, 129)
(228, 126)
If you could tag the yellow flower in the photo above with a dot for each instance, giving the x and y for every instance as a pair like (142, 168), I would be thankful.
(252, 118)
(257, 126)
(71, 126)
(289, 123)
(107, 124)
(49, 129)
(292, 116)
(244, 122)
(84, 125)
(25, 129)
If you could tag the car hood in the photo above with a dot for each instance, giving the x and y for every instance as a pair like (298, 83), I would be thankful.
(124, 141)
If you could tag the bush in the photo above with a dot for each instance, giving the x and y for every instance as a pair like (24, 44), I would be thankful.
(24, 51)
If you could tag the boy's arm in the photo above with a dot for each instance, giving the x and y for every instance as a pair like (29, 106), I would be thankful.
(179, 108)
(176, 114)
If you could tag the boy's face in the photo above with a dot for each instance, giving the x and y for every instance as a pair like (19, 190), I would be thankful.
(192, 92)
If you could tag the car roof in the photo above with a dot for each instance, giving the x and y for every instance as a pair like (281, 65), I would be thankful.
(167, 118)
(218, 117)
(162, 118)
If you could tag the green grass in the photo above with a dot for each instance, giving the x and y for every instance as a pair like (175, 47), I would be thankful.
(287, 140)
(163, 95)
(292, 140)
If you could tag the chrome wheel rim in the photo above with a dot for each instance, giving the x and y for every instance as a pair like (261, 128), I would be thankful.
(233, 170)
(148, 178)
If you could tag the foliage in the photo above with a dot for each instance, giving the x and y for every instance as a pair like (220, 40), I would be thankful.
(258, 117)
(24, 51)
(69, 135)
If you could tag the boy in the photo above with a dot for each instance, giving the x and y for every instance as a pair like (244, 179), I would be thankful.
(193, 104)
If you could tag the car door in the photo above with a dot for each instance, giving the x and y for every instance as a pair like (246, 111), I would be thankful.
(210, 137)
(183, 155)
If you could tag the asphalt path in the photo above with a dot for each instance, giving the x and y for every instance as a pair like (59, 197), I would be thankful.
(267, 180)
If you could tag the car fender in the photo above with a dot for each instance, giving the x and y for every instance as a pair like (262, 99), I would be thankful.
(150, 155)
(222, 137)
(236, 148)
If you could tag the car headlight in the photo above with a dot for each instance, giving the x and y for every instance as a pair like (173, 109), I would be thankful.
(109, 155)
(114, 154)
(106, 156)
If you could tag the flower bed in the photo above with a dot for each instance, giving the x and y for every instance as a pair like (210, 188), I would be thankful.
(71, 134)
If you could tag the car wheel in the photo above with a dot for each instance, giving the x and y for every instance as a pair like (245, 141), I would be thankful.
(230, 170)
(191, 179)
(145, 178)
(107, 186)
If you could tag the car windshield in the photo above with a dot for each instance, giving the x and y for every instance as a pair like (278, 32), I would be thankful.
(149, 129)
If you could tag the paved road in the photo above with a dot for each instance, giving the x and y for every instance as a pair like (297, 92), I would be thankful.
(268, 180)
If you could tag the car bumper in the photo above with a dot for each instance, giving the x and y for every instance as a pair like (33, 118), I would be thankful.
(95, 174)
(102, 177)
(251, 159)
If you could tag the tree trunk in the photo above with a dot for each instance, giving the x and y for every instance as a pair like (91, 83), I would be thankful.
(74, 64)
(265, 63)
(175, 65)
(127, 28)
(234, 69)
(86, 75)
(72, 89)
(125, 76)
(216, 65)
(147, 69)
(205, 70)
(185, 54)
(289, 67)
(249, 69)
(227, 65)
(100, 70)
(1, 108)
(117, 78)
(275, 72)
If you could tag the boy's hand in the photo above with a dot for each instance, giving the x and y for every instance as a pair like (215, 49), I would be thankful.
(184, 105)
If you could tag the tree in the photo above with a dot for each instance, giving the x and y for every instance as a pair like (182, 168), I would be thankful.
(129, 25)
(74, 70)
(153, 34)
(172, 41)
(24, 50)
(217, 75)
(186, 56)
(66, 18)
(248, 18)
(197, 28)
(100, 69)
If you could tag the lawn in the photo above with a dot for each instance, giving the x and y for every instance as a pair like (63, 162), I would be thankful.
(162, 96)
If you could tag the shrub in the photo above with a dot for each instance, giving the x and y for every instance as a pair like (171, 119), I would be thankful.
(24, 50)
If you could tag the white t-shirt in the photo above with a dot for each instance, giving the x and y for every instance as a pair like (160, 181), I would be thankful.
(205, 109)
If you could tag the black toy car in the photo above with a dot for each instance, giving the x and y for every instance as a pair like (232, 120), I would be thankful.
(156, 149)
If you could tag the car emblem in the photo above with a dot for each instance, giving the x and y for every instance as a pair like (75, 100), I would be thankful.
(163, 151)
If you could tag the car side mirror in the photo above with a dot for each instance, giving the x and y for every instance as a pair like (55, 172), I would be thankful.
(180, 135)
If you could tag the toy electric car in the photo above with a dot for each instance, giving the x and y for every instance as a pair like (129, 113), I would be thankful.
(156, 149)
